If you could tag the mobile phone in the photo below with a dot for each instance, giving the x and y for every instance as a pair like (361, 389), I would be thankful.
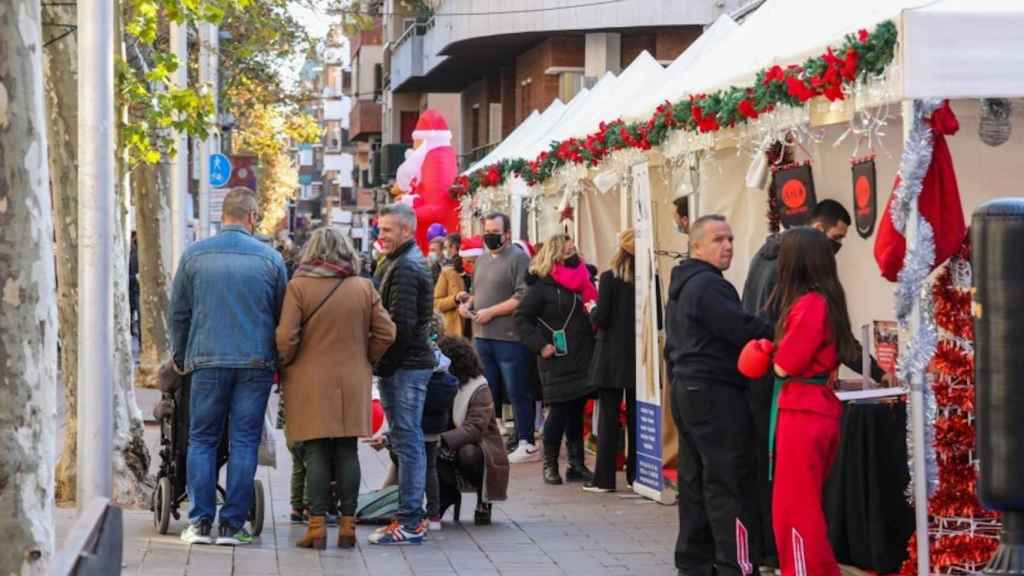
(560, 342)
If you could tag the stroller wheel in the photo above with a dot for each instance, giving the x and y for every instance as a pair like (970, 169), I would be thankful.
(162, 505)
(256, 512)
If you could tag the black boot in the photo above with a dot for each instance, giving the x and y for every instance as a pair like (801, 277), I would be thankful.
(551, 464)
(577, 471)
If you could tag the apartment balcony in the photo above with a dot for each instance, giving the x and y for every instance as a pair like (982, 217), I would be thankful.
(373, 37)
(364, 120)
(334, 110)
(407, 58)
(459, 47)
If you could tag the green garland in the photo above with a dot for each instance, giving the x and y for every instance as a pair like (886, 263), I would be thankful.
(861, 55)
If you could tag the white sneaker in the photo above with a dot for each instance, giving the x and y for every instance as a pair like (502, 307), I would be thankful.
(526, 452)
(197, 534)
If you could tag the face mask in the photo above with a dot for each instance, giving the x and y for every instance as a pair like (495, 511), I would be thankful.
(493, 241)
(836, 246)
(680, 228)
(573, 261)
(433, 257)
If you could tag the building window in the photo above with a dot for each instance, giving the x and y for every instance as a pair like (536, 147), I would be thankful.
(378, 81)
(475, 127)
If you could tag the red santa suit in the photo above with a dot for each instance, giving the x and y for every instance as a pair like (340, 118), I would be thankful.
(427, 174)
(806, 438)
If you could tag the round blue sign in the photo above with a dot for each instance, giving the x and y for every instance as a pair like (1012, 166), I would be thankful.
(220, 170)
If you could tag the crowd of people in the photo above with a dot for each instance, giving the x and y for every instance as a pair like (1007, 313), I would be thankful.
(445, 337)
(451, 335)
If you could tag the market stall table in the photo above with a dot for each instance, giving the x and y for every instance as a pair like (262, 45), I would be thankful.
(868, 513)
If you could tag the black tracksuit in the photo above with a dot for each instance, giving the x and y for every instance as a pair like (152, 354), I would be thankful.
(719, 527)
(762, 277)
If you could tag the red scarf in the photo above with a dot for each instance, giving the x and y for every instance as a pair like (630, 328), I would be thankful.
(575, 280)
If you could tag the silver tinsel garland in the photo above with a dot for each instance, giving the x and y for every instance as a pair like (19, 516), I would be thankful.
(912, 280)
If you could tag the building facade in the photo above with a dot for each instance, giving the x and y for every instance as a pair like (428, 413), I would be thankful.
(503, 62)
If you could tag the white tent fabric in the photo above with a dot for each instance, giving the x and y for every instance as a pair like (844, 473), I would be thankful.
(599, 92)
(528, 141)
(788, 32)
(963, 49)
(496, 154)
(542, 123)
(636, 80)
(677, 75)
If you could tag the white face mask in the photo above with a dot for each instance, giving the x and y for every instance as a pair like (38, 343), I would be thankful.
(433, 257)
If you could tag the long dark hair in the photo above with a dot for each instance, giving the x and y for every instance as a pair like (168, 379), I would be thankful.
(808, 264)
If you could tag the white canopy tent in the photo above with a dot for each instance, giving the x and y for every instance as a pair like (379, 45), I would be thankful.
(963, 49)
(948, 49)
(525, 146)
(599, 92)
(636, 80)
(677, 75)
(497, 153)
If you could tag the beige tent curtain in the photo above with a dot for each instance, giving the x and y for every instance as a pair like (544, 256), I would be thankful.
(599, 225)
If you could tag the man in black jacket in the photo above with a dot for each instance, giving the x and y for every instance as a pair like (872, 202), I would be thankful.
(407, 291)
(706, 329)
(831, 218)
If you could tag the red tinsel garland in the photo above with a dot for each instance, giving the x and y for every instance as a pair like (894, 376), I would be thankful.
(958, 545)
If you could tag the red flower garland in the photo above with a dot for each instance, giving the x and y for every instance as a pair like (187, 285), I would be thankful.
(955, 503)
(825, 75)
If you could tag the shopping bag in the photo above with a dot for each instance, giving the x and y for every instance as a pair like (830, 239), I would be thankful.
(267, 455)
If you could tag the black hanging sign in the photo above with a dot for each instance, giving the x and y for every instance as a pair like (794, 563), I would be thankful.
(865, 196)
(794, 188)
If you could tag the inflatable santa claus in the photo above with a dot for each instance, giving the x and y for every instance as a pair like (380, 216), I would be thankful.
(426, 175)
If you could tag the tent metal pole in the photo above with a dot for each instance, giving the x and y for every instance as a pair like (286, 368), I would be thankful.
(917, 384)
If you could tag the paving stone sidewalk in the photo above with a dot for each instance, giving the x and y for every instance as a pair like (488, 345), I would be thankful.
(541, 530)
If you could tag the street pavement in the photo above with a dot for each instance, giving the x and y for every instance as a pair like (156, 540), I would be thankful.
(541, 530)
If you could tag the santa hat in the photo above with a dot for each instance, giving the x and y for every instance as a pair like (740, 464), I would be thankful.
(432, 127)
(471, 247)
(526, 247)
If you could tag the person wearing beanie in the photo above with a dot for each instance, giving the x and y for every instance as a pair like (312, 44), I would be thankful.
(614, 369)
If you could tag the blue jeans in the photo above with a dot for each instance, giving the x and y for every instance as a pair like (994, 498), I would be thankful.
(238, 396)
(508, 362)
(402, 396)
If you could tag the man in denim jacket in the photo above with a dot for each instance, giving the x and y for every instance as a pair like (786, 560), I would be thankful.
(225, 306)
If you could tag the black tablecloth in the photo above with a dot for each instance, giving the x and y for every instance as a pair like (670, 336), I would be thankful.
(868, 514)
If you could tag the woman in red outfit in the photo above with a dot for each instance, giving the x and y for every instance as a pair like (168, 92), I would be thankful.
(812, 337)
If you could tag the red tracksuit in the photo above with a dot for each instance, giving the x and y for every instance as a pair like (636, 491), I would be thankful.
(806, 440)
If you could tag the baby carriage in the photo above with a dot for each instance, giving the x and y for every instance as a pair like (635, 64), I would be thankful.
(172, 414)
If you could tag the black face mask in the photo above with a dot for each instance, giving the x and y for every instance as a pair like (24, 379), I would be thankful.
(572, 261)
(494, 241)
(836, 246)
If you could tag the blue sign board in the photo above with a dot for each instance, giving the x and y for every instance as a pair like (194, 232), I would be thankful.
(220, 170)
(648, 446)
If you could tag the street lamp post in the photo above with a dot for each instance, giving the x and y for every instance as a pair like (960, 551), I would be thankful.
(96, 123)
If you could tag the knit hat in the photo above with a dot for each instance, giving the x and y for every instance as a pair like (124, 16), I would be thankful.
(471, 247)
(626, 240)
(526, 247)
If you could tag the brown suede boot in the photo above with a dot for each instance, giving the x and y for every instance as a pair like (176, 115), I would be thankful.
(347, 532)
(316, 534)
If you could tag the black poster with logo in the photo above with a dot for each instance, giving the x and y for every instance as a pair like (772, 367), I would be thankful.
(865, 203)
(794, 190)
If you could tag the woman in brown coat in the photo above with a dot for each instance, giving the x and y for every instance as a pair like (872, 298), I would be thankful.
(449, 286)
(333, 328)
(473, 450)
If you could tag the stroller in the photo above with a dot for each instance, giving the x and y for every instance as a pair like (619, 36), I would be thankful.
(172, 414)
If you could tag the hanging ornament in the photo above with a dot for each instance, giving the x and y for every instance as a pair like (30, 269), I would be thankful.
(995, 127)
(794, 192)
(865, 203)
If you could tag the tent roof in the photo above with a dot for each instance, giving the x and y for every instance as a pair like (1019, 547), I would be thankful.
(530, 139)
(496, 154)
(600, 91)
(636, 80)
(523, 133)
(963, 49)
(677, 75)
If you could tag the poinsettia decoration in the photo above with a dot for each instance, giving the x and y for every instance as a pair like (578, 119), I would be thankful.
(860, 55)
